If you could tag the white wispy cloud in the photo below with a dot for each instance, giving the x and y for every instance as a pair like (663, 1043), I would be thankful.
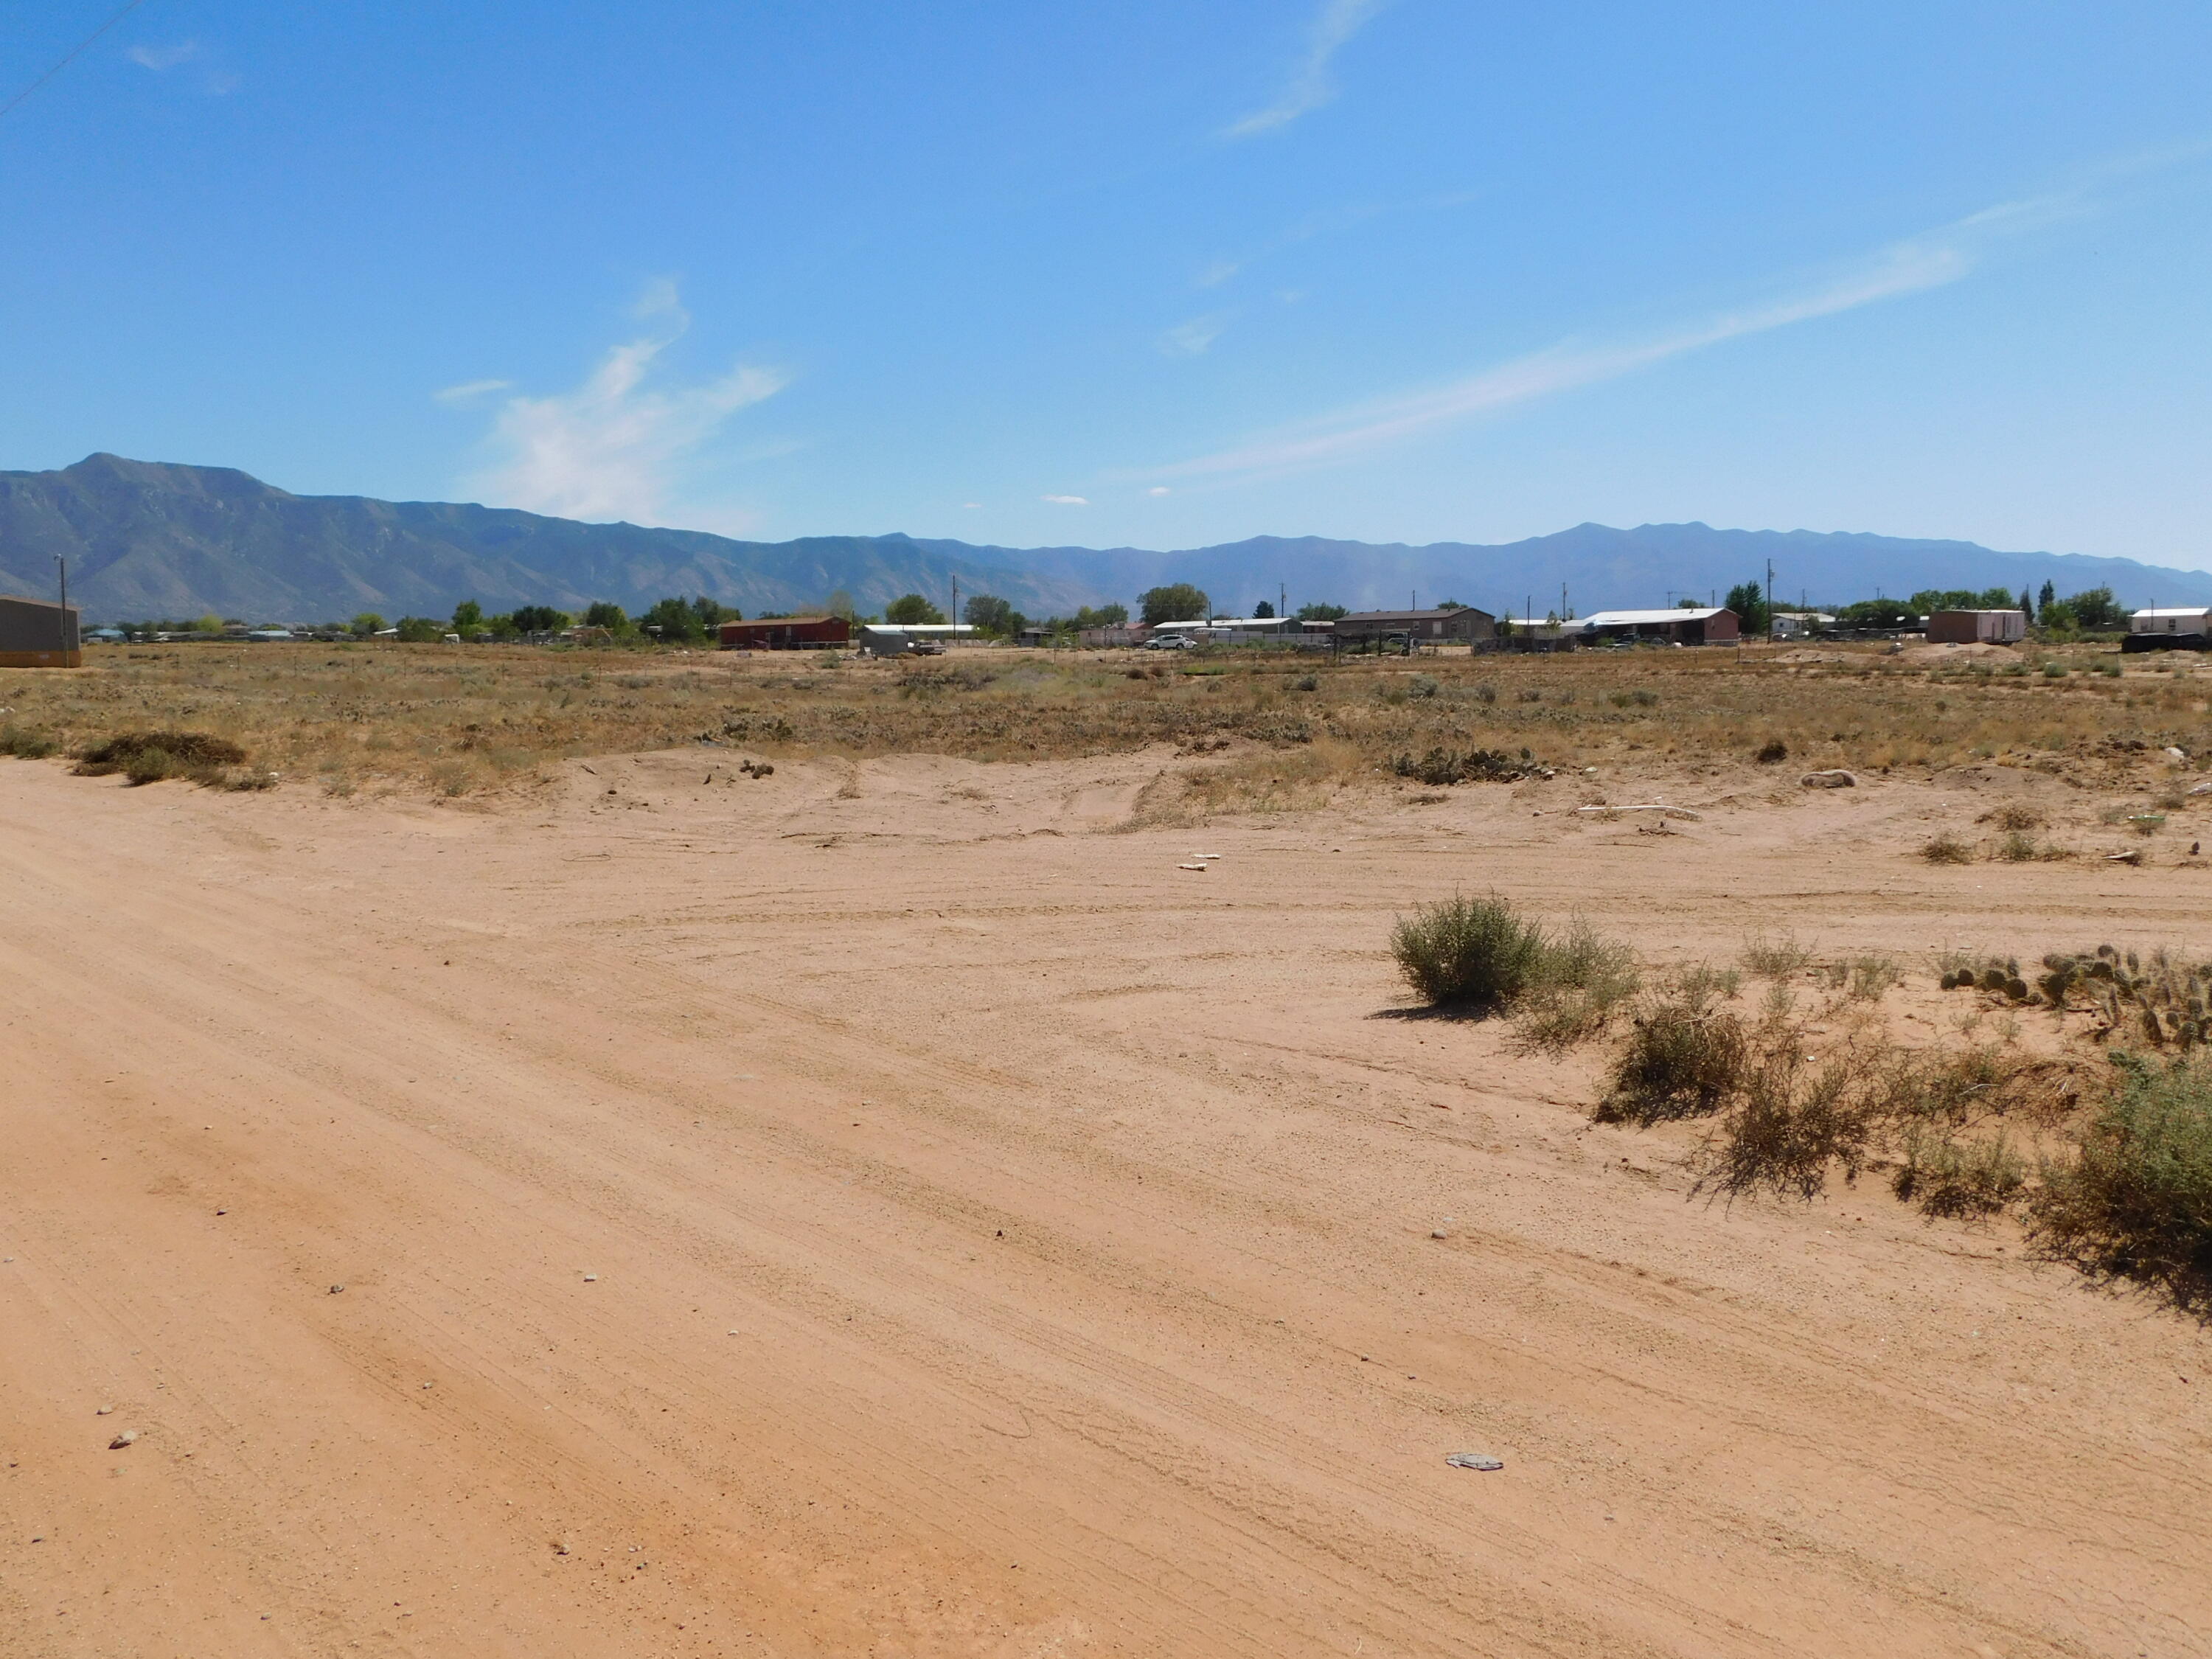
(158, 59)
(613, 447)
(468, 391)
(1065, 500)
(1159, 490)
(1191, 339)
(1911, 266)
(1310, 84)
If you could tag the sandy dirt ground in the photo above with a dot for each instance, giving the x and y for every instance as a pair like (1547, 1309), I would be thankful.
(886, 1211)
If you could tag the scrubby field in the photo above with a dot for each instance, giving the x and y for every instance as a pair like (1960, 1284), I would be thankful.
(463, 720)
(954, 1162)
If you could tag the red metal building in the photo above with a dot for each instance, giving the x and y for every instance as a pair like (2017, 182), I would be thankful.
(785, 634)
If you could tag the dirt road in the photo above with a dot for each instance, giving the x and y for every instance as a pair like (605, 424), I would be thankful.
(875, 1211)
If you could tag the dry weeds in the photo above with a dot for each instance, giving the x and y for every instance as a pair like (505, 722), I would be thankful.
(468, 719)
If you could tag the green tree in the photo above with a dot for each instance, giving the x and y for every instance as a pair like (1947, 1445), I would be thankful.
(468, 616)
(1321, 612)
(2096, 610)
(1106, 615)
(993, 615)
(1177, 602)
(911, 609)
(1877, 614)
(605, 613)
(2042, 599)
(367, 623)
(539, 619)
(1748, 601)
(2026, 604)
(712, 615)
(422, 630)
(673, 621)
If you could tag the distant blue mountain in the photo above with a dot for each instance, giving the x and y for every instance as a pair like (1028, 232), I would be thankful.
(146, 538)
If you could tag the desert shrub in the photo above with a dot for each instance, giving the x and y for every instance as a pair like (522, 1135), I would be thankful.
(1775, 958)
(1582, 980)
(1793, 1121)
(1685, 1057)
(2014, 815)
(153, 765)
(1702, 980)
(1946, 849)
(1422, 685)
(1635, 699)
(1945, 1176)
(1863, 979)
(26, 744)
(1447, 766)
(1304, 682)
(2135, 1203)
(1772, 752)
(1469, 955)
(189, 748)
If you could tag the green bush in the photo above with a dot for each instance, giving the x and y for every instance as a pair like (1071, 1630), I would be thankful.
(2137, 1203)
(1583, 978)
(25, 745)
(1471, 955)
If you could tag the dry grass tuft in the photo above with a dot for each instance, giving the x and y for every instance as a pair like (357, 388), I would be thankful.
(1775, 958)
(1946, 849)
(1685, 1057)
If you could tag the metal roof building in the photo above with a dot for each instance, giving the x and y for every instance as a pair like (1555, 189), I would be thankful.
(1464, 625)
(1706, 625)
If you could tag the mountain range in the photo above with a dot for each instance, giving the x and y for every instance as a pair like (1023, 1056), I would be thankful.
(148, 540)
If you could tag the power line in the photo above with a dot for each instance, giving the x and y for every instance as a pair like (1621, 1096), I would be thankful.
(74, 52)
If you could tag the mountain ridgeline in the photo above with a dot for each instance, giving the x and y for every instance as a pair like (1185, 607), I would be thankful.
(150, 538)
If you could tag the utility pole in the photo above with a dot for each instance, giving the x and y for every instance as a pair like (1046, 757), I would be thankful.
(1563, 603)
(955, 600)
(1769, 601)
(62, 622)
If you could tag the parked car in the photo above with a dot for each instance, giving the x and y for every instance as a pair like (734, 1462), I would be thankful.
(1170, 642)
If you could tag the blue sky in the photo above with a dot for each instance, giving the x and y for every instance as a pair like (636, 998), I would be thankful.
(1153, 274)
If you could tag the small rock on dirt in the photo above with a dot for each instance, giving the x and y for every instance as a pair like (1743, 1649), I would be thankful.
(128, 1438)
(1473, 1460)
(1836, 778)
(102, 1411)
